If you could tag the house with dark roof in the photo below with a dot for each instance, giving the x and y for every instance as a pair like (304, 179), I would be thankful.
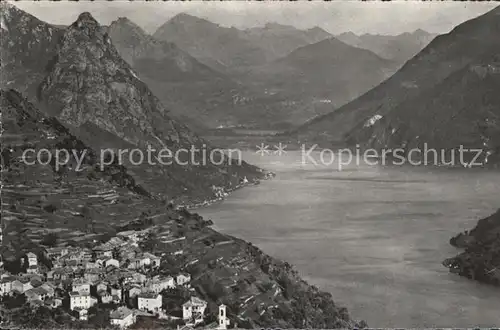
(122, 317)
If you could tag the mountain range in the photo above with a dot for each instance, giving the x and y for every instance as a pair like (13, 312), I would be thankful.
(195, 93)
(315, 79)
(91, 89)
(398, 48)
(449, 86)
(85, 97)
(228, 49)
(209, 76)
(292, 75)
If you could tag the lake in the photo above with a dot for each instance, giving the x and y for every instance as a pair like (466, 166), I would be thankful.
(374, 237)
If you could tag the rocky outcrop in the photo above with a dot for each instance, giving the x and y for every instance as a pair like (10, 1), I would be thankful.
(481, 259)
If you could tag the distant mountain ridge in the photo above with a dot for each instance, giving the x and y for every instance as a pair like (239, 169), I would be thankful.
(91, 89)
(216, 46)
(450, 82)
(258, 95)
(317, 78)
(280, 40)
(284, 88)
(228, 49)
(194, 92)
(399, 48)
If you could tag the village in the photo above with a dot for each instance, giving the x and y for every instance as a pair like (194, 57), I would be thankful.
(116, 274)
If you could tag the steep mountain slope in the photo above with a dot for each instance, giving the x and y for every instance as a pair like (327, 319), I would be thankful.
(314, 79)
(218, 47)
(399, 48)
(92, 89)
(230, 49)
(481, 259)
(468, 44)
(27, 45)
(77, 75)
(463, 110)
(85, 207)
(193, 91)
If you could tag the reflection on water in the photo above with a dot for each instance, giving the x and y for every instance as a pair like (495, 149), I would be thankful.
(374, 237)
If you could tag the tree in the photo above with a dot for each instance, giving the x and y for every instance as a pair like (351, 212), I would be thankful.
(49, 240)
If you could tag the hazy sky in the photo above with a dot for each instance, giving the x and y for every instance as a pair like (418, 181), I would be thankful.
(335, 17)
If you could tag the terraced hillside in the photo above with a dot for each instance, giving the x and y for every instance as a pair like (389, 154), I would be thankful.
(77, 75)
(82, 207)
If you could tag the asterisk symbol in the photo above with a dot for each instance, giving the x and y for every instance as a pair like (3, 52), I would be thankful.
(280, 149)
(262, 149)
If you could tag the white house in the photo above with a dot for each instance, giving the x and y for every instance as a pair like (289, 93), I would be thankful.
(116, 293)
(32, 259)
(93, 274)
(150, 302)
(22, 285)
(6, 285)
(193, 310)
(92, 265)
(49, 287)
(111, 261)
(78, 300)
(57, 252)
(81, 286)
(154, 261)
(134, 291)
(183, 279)
(122, 317)
(138, 278)
(158, 284)
(139, 262)
(36, 294)
(32, 269)
(104, 253)
(223, 320)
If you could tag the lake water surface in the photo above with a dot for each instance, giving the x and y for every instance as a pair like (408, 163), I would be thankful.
(374, 237)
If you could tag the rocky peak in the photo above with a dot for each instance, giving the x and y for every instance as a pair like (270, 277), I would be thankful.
(125, 22)
(421, 33)
(93, 90)
(277, 26)
(128, 34)
(26, 42)
(183, 18)
(7, 9)
(87, 25)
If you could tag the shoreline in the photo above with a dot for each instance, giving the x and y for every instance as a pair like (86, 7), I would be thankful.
(267, 175)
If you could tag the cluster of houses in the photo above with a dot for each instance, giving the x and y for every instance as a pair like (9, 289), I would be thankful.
(117, 272)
